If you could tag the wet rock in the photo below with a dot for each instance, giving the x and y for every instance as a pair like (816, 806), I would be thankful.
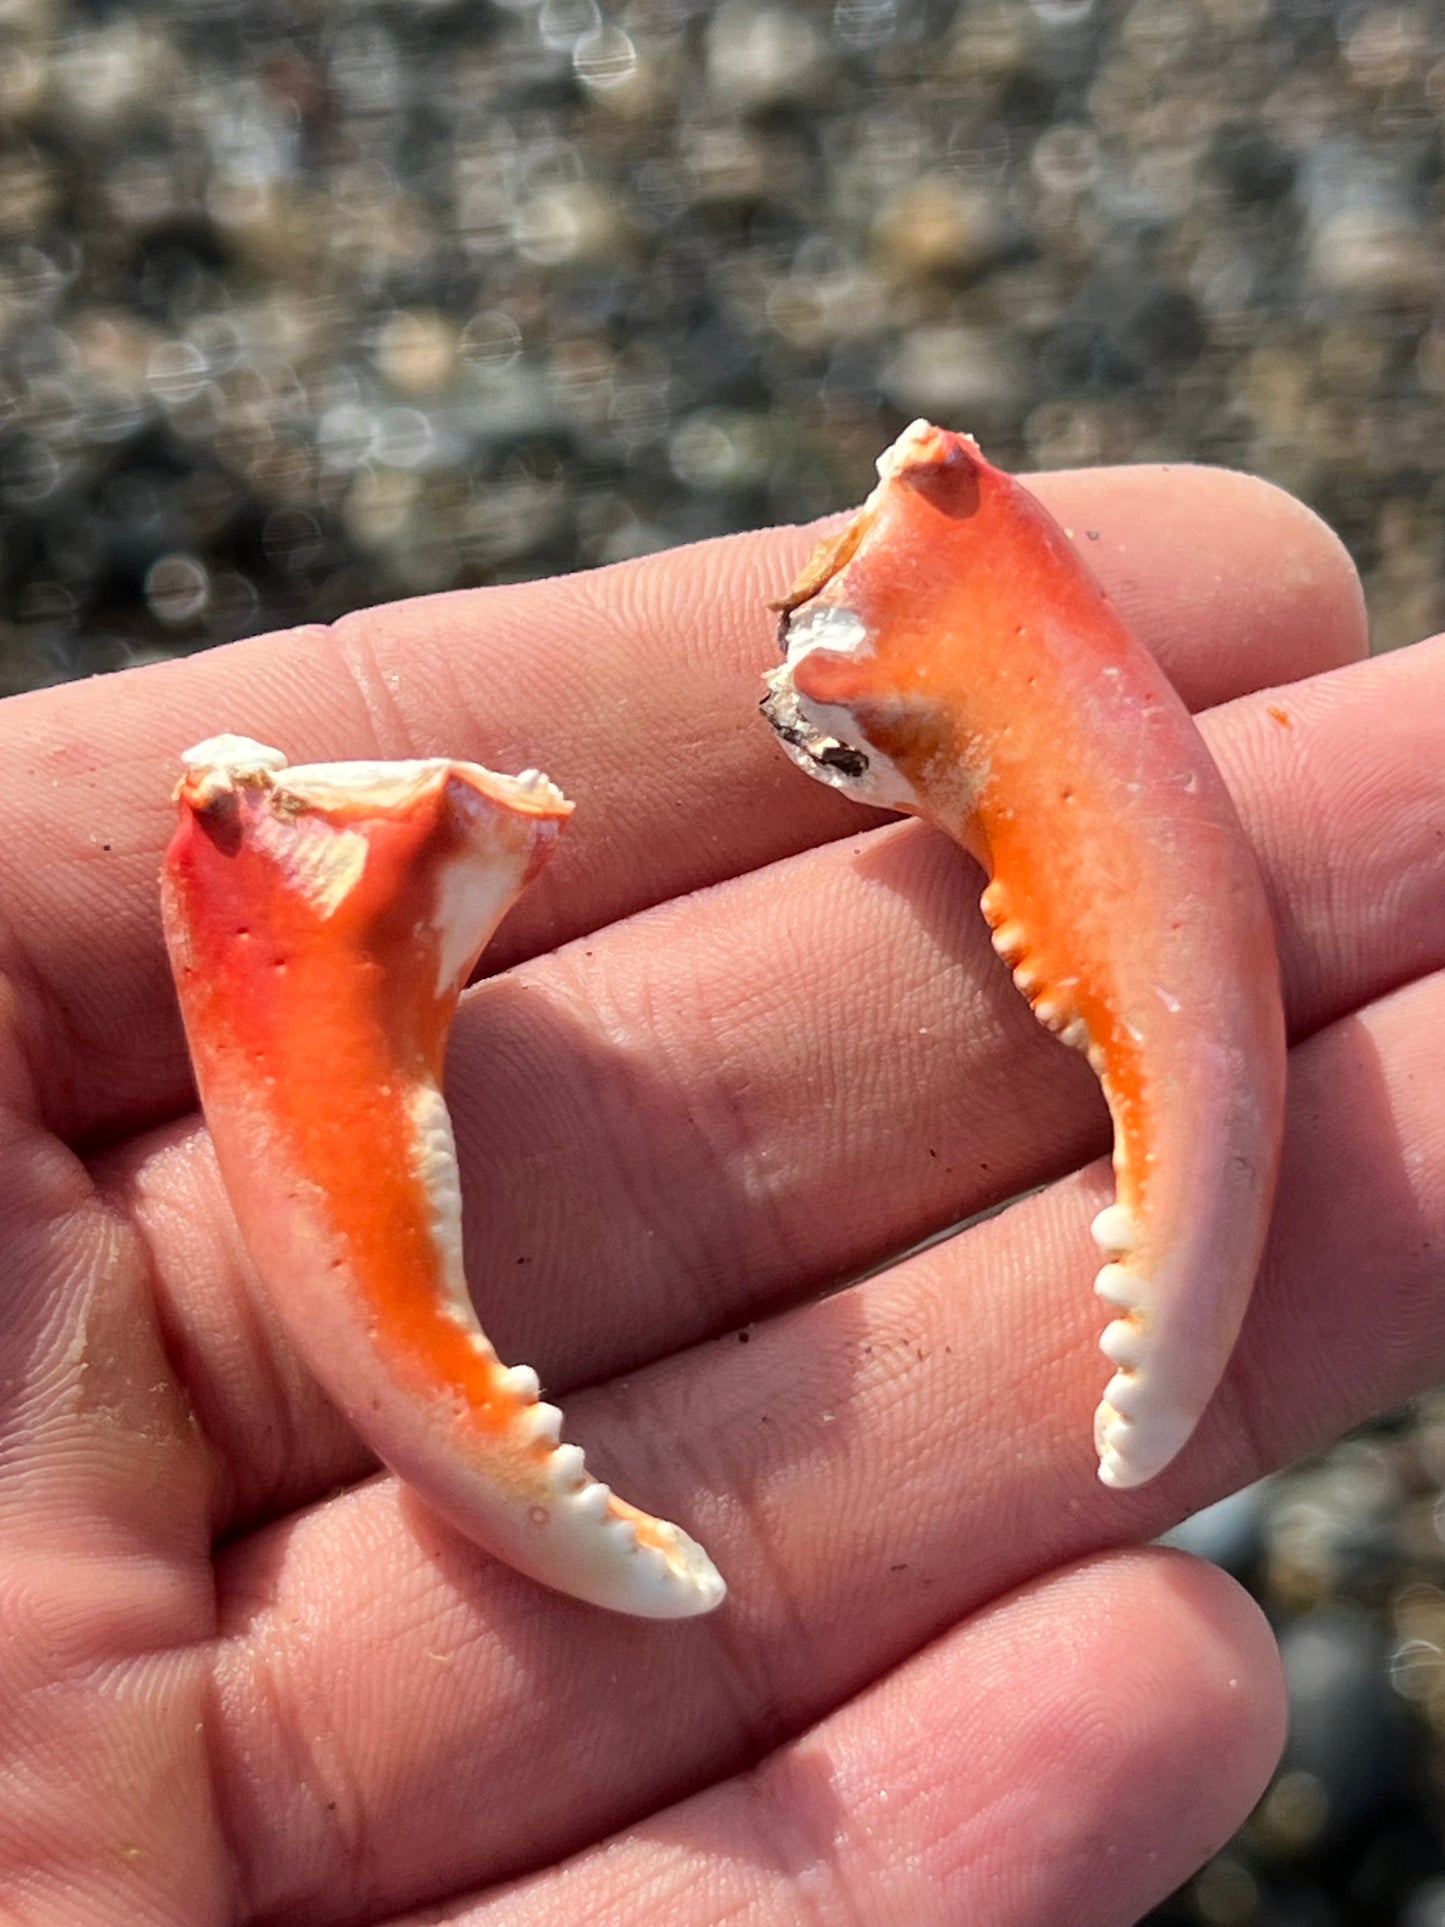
(957, 374)
(1227, 1534)
(1376, 253)
(938, 226)
(1254, 168)
(1344, 1752)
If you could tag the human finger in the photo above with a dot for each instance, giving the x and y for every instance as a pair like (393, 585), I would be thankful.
(635, 688)
(867, 1470)
(1073, 1752)
(736, 1117)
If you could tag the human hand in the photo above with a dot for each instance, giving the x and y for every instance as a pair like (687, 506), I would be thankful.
(242, 1680)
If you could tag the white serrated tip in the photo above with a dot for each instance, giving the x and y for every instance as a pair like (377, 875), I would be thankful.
(634, 1563)
(1114, 1231)
(519, 1382)
(1123, 1343)
(1138, 1427)
(1135, 1446)
(568, 1467)
(684, 1578)
(1117, 1285)
(1010, 940)
(541, 1424)
(592, 1500)
(1125, 1394)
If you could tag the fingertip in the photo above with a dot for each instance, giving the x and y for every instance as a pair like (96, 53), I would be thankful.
(1177, 1715)
(1233, 583)
(1238, 1670)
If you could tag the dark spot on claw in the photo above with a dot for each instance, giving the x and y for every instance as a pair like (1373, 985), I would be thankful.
(791, 732)
(219, 819)
(847, 762)
(827, 754)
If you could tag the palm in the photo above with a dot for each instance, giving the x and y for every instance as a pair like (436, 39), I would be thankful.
(244, 1680)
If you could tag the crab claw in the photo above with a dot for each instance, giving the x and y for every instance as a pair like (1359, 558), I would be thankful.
(949, 655)
(321, 923)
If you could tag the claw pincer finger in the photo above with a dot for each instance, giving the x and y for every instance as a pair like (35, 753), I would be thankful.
(322, 921)
(949, 655)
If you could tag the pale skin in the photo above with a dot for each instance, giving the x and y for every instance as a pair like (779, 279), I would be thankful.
(746, 1042)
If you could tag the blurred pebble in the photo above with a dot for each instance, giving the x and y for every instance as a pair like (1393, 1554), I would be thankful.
(956, 374)
(576, 221)
(762, 55)
(1426, 1907)
(1343, 1751)
(1377, 254)
(937, 226)
(1226, 1894)
(604, 58)
(417, 352)
(177, 588)
(719, 449)
(1226, 1533)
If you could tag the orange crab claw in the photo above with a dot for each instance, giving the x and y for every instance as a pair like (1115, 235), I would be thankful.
(949, 655)
(321, 923)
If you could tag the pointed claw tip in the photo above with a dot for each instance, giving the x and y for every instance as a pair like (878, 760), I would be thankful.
(1117, 1472)
(695, 1583)
(920, 442)
(709, 1587)
(1135, 1447)
(213, 769)
(235, 754)
(1113, 1473)
(935, 459)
